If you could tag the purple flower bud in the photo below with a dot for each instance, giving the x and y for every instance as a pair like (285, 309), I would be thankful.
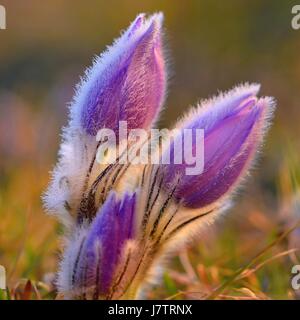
(126, 83)
(114, 245)
(234, 126)
(100, 249)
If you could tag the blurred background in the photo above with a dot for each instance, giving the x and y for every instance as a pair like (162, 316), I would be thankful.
(213, 45)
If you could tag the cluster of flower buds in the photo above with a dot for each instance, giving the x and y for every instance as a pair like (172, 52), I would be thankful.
(121, 220)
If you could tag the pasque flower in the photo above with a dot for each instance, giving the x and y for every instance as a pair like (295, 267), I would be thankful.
(121, 220)
(90, 265)
(126, 83)
(234, 125)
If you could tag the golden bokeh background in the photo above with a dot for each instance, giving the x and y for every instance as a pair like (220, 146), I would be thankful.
(212, 45)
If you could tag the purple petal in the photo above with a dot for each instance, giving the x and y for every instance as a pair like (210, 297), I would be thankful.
(127, 83)
(231, 136)
(112, 227)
